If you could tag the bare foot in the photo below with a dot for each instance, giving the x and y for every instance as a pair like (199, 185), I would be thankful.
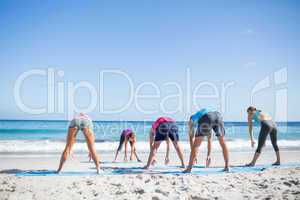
(226, 169)
(250, 165)
(167, 161)
(187, 170)
(208, 160)
(99, 171)
(146, 167)
(277, 163)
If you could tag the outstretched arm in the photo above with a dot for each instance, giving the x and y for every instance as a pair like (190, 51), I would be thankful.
(119, 148)
(167, 159)
(151, 138)
(209, 140)
(117, 152)
(191, 133)
(133, 152)
(208, 158)
(126, 149)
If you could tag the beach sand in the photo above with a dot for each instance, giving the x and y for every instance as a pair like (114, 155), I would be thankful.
(281, 183)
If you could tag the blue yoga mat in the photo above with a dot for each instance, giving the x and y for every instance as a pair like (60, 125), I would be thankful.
(161, 169)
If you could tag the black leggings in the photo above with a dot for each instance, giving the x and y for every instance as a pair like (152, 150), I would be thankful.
(122, 141)
(266, 128)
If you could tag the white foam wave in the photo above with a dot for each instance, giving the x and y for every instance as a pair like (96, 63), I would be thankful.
(46, 146)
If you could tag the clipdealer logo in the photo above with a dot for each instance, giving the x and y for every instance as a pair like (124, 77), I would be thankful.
(278, 83)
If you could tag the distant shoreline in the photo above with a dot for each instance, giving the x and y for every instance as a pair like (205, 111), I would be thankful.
(130, 121)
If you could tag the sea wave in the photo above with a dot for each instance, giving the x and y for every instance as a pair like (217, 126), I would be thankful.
(48, 146)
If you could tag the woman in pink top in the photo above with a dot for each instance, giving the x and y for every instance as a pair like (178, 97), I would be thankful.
(162, 129)
(84, 123)
(152, 137)
(127, 135)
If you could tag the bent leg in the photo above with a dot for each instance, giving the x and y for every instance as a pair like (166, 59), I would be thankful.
(179, 152)
(121, 143)
(197, 142)
(152, 153)
(224, 150)
(117, 152)
(261, 142)
(136, 156)
(90, 155)
(273, 137)
(89, 136)
(69, 144)
(208, 158)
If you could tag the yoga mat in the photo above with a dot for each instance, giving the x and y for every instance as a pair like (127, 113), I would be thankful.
(161, 169)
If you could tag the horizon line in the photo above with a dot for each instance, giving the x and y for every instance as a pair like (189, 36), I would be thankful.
(62, 120)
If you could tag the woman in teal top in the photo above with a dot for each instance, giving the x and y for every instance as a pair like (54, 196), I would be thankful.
(206, 121)
(267, 127)
(192, 124)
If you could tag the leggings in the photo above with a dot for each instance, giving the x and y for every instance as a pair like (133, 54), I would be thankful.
(122, 140)
(267, 127)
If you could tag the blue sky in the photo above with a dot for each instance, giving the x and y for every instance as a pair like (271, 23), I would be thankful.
(151, 41)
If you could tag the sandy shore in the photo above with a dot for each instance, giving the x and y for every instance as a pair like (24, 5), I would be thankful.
(283, 183)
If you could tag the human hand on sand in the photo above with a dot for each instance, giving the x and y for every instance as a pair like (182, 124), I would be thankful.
(153, 162)
(167, 161)
(208, 160)
(195, 161)
(252, 143)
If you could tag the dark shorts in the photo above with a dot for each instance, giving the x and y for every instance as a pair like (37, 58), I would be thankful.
(208, 122)
(165, 130)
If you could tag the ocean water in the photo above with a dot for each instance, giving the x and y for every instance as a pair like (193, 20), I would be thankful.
(18, 136)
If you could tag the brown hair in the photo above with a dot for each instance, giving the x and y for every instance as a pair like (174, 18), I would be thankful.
(251, 108)
(132, 135)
